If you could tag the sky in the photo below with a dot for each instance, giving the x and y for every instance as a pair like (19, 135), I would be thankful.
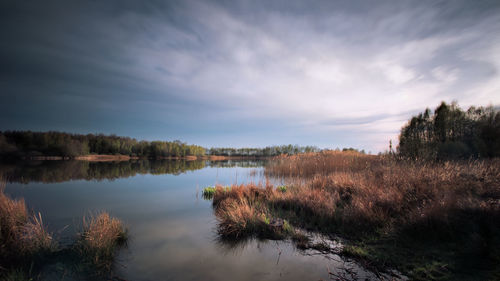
(244, 73)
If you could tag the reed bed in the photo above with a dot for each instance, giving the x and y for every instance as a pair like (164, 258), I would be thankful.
(370, 199)
(306, 165)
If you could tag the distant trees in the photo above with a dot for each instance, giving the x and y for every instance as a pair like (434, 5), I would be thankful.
(259, 152)
(450, 132)
(31, 144)
(27, 143)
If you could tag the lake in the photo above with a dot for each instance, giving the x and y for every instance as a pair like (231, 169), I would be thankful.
(172, 229)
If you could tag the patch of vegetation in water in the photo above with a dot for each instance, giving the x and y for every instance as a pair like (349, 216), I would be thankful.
(430, 221)
(28, 250)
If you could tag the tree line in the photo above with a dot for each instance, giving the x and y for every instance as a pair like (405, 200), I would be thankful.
(450, 133)
(29, 144)
(262, 152)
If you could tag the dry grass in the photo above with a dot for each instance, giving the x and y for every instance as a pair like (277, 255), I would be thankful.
(25, 243)
(370, 198)
(358, 190)
(306, 165)
(241, 211)
(102, 235)
(21, 235)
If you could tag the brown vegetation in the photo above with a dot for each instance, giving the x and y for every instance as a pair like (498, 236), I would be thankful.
(102, 235)
(241, 213)
(376, 198)
(22, 235)
(26, 246)
(354, 189)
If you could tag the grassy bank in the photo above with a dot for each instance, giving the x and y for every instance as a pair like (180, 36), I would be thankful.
(431, 221)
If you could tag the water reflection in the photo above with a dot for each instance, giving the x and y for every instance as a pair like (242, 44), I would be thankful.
(61, 171)
(172, 230)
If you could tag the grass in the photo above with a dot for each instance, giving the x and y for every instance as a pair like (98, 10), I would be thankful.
(26, 246)
(208, 192)
(101, 237)
(241, 213)
(431, 221)
(23, 236)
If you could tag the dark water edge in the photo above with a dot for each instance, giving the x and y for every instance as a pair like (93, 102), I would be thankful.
(172, 230)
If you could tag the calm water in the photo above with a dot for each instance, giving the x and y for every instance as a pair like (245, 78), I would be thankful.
(172, 229)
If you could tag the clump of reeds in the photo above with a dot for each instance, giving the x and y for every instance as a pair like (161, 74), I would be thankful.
(22, 235)
(241, 213)
(102, 235)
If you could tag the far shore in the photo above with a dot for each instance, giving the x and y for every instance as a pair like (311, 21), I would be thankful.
(114, 158)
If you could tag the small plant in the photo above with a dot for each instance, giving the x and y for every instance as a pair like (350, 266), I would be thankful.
(287, 228)
(102, 235)
(265, 219)
(282, 188)
(208, 192)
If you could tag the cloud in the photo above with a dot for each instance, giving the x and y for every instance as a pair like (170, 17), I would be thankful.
(339, 70)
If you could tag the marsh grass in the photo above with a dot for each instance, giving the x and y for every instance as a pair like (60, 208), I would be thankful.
(240, 212)
(23, 236)
(26, 246)
(395, 213)
(100, 239)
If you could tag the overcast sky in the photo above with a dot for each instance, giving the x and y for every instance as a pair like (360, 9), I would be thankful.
(244, 73)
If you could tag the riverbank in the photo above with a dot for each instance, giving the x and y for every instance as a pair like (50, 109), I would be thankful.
(430, 221)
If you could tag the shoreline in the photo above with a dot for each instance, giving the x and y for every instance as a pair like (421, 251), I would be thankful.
(115, 158)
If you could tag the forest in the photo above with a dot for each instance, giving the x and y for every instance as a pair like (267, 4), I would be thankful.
(451, 133)
(30, 144)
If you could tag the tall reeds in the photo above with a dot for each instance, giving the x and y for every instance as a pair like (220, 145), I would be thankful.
(362, 197)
